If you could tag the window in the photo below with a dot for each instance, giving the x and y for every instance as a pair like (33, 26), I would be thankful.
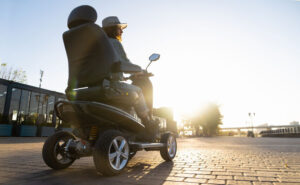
(33, 108)
(50, 109)
(24, 106)
(3, 89)
(14, 105)
(42, 107)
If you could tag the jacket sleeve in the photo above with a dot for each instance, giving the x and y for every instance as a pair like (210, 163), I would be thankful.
(121, 54)
(121, 57)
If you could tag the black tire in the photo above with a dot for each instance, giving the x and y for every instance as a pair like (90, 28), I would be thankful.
(131, 154)
(53, 147)
(105, 148)
(165, 152)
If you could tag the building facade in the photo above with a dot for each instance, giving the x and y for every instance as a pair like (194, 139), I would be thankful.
(26, 106)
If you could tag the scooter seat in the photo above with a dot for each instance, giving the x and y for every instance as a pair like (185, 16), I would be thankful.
(104, 114)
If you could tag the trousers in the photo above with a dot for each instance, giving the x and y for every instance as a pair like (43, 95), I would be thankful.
(116, 93)
(127, 94)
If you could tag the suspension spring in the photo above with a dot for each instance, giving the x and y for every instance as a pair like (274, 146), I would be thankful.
(93, 133)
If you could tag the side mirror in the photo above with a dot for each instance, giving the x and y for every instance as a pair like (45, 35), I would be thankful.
(154, 57)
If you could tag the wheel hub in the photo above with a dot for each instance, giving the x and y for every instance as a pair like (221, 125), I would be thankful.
(60, 151)
(171, 146)
(118, 153)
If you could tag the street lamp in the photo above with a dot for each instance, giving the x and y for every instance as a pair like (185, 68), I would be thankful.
(39, 96)
(251, 116)
(42, 73)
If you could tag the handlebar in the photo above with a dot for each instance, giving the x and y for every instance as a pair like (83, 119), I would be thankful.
(139, 75)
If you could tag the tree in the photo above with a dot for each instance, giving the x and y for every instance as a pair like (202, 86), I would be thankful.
(209, 120)
(8, 73)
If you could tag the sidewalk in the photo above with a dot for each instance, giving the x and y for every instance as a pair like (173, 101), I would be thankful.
(221, 160)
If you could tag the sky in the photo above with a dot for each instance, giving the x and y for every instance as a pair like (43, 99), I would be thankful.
(243, 55)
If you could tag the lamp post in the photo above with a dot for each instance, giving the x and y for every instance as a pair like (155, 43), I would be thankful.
(251, 116)
(41, 78)
(39, 96)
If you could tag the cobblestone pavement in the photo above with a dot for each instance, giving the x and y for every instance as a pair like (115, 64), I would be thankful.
(220, 160)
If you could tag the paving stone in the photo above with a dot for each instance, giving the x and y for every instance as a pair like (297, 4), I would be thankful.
(195, 180)
(179, 183)
(262, 183)
(289, 180)
(225, 177)
(4, 180)
(227, 173)
(206, 176)
(190, 169)
(198, 172)
(185, 175)
(180, 179)
(245, 178)
(215, 181)
(267, 179)
(255, 174)
(290, 176)
(232, 182)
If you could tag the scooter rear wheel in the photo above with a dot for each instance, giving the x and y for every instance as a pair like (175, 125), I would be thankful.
(111, 153)
(168, 152)
(54, 150)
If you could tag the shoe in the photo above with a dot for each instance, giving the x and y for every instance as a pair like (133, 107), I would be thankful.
(153, 129)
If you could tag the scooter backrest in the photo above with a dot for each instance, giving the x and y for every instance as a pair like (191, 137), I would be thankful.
(89, 51)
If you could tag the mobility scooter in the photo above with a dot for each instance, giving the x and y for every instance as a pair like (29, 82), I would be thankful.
(108, 131)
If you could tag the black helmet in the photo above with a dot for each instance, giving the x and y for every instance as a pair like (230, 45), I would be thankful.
(82, 14)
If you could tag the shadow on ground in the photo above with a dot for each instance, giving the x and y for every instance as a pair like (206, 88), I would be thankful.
(15, 140)
(135, 173)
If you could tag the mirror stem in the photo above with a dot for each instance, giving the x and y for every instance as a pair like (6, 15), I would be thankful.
(148, 65)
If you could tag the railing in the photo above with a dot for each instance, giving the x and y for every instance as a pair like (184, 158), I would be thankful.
(273, 131)
(261, 127)
(283, 132)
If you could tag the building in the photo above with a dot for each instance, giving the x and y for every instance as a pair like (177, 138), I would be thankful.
(27, 107)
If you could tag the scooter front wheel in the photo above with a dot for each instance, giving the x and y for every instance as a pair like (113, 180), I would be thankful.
(111, 153)
(168, 152)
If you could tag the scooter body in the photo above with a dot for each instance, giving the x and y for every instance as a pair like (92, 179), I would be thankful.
(111, 135)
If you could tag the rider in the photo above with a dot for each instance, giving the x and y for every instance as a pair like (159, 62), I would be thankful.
(114, 29)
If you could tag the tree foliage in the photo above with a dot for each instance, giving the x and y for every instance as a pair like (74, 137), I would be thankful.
(209, 120)
(8, 73)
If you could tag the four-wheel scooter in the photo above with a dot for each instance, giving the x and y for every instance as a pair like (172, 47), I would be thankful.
(108, 131)
(109, 134)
